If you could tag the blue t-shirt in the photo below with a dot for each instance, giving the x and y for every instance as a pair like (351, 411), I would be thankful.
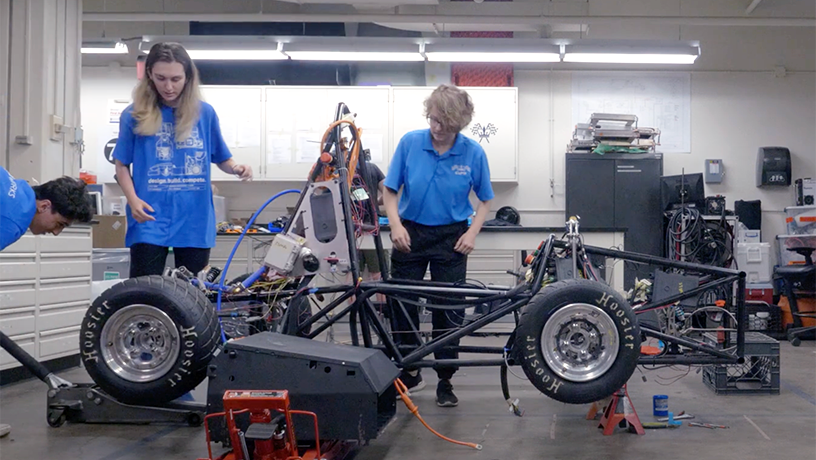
(173, 177)
(436, 188)
(18, 204)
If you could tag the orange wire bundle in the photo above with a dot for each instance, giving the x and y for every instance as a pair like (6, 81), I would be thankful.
(353, 156)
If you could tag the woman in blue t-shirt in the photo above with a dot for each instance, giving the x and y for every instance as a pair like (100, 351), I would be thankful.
(168, 138)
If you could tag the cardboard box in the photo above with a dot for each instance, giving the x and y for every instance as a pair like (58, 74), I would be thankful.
(110, 232)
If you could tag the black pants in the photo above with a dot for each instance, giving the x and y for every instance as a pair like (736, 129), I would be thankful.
(434, 246)
(149, 259)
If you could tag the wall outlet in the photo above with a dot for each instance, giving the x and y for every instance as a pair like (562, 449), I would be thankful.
(56, 128)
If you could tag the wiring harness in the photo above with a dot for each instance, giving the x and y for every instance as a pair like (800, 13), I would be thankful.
(689, 238)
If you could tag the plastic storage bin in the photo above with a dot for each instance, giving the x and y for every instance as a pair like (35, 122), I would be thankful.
(754, 260)
(783, 242)
(110, 264)
(220, 204)
(762, 292)
(801, 220)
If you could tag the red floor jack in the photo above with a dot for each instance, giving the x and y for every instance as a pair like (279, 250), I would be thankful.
(270, 427)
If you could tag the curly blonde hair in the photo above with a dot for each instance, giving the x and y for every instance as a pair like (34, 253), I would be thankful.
(454, 105)
(146, 99)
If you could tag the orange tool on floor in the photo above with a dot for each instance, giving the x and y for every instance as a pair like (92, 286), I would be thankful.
(270, 428)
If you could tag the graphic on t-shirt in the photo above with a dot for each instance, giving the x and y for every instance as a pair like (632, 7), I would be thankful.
(181, 165)
(162, 169)
(164, 142)
(194, 164)
(192, 142)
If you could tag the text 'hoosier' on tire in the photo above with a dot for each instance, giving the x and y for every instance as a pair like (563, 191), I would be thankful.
(148, 340)
(578, 341)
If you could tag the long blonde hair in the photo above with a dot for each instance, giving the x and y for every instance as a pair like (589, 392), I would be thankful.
(147, 101)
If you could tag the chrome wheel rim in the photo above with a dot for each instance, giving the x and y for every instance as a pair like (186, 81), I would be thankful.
(580, 342)
(140, 343)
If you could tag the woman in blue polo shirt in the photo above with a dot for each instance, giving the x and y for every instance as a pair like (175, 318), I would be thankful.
(436, 169)
(169, 137)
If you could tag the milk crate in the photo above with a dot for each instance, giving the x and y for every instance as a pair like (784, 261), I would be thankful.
(759, 374)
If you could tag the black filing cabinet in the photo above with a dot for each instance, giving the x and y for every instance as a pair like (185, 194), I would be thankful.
(623, 191)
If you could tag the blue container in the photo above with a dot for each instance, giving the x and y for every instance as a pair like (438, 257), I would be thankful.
(660, 405)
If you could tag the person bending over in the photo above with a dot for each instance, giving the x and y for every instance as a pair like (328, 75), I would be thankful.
(46, 208)
(436, 169)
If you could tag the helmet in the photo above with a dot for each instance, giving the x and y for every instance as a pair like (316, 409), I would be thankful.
(508, 214)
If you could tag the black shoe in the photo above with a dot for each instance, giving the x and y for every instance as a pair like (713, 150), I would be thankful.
(413, 382)
(444, 394)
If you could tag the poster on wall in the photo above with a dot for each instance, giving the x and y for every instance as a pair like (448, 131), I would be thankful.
(659, 100)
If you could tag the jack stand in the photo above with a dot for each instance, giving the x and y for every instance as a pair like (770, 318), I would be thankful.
(598, 407)
(624, 417)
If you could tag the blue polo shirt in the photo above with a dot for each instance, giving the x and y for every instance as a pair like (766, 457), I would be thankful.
(436, 188)
(18, 204)
(173, 176)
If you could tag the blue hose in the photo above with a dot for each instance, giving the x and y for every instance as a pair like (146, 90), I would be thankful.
(222, 286)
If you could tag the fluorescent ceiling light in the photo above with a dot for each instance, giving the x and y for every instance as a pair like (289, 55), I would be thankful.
(237, 55)
(355, 56)
(98, 48)
(618, 58)
(470, 56)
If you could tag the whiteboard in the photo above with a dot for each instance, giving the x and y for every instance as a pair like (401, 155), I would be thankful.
(240, 116)
(297, 119)
(494, 125)
(659, 100)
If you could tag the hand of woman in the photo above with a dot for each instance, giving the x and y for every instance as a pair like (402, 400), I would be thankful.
(243, 171)
(400, 238)
(139, 210)
(466, 243)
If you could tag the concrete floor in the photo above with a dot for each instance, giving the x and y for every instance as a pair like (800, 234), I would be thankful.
(761, 426)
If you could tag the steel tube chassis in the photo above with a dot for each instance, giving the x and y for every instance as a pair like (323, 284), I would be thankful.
(364, 321)
(362, 315)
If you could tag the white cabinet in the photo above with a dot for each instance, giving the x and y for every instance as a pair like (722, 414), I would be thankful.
(494, 125)
(240, 114)
(278, 129)
(45, 290)
(248, 257)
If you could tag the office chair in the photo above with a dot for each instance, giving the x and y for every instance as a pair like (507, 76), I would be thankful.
(803, 277)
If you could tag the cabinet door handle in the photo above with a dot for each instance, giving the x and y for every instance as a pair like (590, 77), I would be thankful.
(629, 170)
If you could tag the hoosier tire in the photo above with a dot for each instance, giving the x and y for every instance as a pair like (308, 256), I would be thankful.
(148, 340)
(578, 341)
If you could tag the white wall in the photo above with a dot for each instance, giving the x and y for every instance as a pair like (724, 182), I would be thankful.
(40, 51)
(100, 85)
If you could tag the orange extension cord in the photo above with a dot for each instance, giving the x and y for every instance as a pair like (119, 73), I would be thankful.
(355, 151)
(403, 392)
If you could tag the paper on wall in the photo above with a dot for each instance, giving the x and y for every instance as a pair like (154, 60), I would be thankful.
(115, 109)
(308, 146)
(278, 148)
